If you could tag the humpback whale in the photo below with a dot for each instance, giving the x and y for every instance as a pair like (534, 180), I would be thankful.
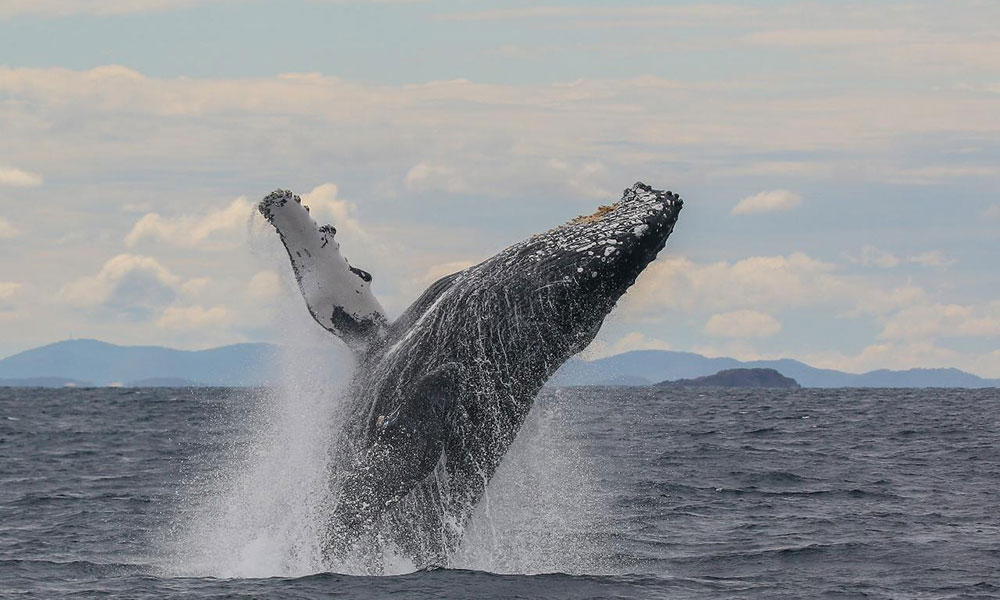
(439, 394)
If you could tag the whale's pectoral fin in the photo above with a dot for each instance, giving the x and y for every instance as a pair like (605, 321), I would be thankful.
(408, 445)
(338, 295)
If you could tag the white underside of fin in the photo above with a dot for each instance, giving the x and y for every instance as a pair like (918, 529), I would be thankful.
(338, 295)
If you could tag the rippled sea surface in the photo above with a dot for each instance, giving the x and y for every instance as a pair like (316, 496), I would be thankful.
(608, 493)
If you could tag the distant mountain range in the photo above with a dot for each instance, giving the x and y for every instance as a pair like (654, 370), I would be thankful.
(644, 367)
(91, 362)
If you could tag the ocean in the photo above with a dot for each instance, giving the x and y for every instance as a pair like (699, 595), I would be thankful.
(607, 493)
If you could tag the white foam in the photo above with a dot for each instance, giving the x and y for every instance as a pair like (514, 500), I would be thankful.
(263, 513)
(542, 509)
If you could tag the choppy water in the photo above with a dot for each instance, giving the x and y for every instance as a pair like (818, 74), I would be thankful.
(625, 493)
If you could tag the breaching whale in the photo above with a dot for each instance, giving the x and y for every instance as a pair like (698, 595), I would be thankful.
(440, 393)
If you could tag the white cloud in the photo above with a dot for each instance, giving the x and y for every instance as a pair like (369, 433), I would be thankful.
(264, 285)
(924, 322)
(742, 324)
(993, 212)
(762, 282)
(67, 8)
(12, 177)
(766, 284)
(63, 8)
(326, 207)
(126, 282)
(9, 289)
(872, 300)
(870, 256)
(459, 136)
(8, 231)
(931, 174)
(137, 207)
(772, 201)
(888, 355)
(193, 318)
(688, 12)
(427, 177)
(438, 271)
(804, 38)
(196, 286)
(988, 365)
(192, 230)
(932, 258)
(785, 168)
(627, 343)
(874, 257)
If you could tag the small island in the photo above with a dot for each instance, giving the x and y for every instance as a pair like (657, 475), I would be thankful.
(738, 378)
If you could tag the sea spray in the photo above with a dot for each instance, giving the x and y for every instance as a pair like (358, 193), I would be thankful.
(543, 511)
(263, 512)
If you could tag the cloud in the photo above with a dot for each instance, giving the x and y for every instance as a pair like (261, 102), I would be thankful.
(805, 38)
(193, 318)
(930, 321)
(689, 11)
(67, 8)
(221, 227)
(763, 282)
(566, 139)
(326, 207)
(438, 271)
(64, 8)
(932, 258)
(887, 355)
(772, 201)
(264, 285)
(196, 286)
(128, 285)
(554, 177)
(426, 177)
(988, 365)
(9, 289)
(993, 212)
(634, 340)
(872, 300)
(192, 230)
(8, 231)
(870, 256)
(742, 324)
(782, 168)
(873, 257)
(12, 177)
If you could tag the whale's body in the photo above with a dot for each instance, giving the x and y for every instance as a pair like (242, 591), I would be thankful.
(440, 394)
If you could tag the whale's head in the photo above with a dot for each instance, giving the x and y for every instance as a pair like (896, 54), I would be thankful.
(551, 291)
(602, 254)
(555, 287)
(583, 267)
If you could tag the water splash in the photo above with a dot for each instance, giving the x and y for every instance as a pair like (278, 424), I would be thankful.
(263, 513)
(543, 511)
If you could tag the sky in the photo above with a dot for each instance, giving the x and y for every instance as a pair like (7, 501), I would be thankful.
(839, 161)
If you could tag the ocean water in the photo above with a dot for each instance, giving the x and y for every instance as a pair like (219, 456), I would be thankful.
(607, 493)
